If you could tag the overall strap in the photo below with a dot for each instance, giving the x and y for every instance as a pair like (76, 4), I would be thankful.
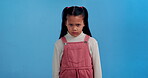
(86, 38)
(64, 40)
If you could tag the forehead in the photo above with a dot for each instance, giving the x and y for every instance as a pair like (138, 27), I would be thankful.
(73, 19)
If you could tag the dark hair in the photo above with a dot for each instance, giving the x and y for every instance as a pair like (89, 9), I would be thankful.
(75, 10)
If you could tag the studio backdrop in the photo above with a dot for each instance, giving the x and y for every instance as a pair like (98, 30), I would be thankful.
(29, 29)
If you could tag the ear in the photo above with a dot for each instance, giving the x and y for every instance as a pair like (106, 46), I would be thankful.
(83, 23)
(66, 23)
(83, 26)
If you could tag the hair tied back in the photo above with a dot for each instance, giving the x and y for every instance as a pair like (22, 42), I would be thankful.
(67, 7)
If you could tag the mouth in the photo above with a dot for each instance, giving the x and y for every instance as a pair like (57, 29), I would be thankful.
(74, 32)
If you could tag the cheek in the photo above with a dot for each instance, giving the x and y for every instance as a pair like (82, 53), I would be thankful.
(69, 28)
(82, 27)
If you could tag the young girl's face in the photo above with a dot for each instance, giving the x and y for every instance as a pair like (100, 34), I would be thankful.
(74, 25)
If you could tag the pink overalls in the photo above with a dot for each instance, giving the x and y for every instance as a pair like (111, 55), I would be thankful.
(76, 61)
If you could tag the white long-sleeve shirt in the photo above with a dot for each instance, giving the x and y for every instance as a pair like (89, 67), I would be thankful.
(94, 51)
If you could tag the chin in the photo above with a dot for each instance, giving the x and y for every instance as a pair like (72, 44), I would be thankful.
(75, 35)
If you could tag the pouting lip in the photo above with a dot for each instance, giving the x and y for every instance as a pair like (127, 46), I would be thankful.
(74, 32)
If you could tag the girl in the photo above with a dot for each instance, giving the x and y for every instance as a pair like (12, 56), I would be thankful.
(76, 53)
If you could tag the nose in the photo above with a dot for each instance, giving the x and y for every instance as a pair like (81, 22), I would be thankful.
(74, 28)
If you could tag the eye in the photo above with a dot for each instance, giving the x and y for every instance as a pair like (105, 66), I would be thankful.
(78, 25)
(70, 24)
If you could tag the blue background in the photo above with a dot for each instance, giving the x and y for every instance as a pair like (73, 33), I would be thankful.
(29, 29)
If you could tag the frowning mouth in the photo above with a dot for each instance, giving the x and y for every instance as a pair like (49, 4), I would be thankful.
(74, 32)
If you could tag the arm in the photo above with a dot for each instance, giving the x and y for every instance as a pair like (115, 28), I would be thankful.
(96, 59)
(56, 63)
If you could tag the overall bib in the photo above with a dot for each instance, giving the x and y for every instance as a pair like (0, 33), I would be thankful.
(76, 60)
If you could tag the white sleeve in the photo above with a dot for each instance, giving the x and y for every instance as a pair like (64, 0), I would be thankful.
(96, 59)
(56, 62)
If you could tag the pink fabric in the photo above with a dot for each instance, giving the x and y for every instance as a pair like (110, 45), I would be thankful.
(76, 61)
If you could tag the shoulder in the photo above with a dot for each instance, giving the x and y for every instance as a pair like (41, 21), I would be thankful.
(92, 40)
(58, 43)
(93, 44)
